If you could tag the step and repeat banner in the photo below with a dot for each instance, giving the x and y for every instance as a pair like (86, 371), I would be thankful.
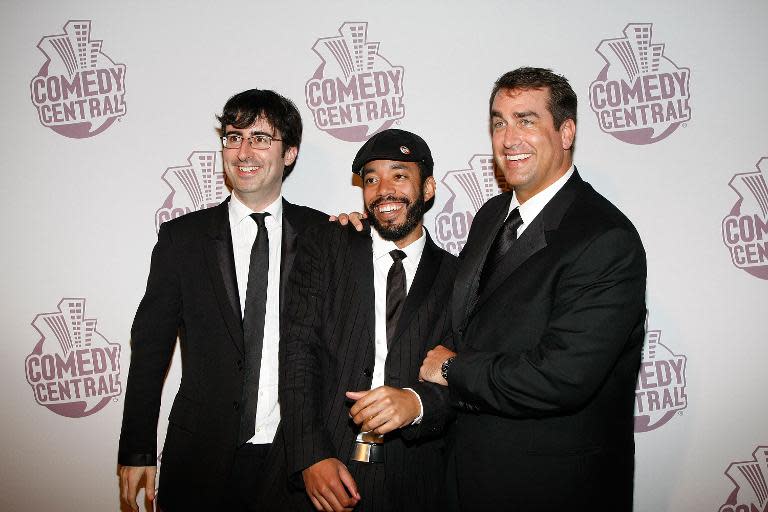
(109, 130)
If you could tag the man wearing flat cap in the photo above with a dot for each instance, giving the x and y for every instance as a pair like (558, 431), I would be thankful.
(363, 308)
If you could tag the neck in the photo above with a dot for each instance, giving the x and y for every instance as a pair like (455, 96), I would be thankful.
(411, 237)
(255, 201)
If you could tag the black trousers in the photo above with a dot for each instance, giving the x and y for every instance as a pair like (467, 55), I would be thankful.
(247, 473)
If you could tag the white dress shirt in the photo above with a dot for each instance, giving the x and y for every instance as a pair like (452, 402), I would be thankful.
(382, 262)
(533, 206)
(244, 230)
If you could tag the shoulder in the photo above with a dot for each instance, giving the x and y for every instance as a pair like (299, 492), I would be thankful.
(303, 217)
(193, 223)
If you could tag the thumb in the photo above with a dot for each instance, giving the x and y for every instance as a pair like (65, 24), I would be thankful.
(356, 395)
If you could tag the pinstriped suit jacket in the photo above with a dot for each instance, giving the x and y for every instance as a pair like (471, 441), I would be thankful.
(327, 339)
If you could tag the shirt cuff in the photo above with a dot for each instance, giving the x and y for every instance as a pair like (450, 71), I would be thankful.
(421, 407)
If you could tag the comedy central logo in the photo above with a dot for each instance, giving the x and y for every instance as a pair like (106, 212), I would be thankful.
(751, 480)
(194, 187)
(79, 91)
(73, 370)
(355, 92)
(640, 96)
(745, 229)
(470, 189)
(660, 391)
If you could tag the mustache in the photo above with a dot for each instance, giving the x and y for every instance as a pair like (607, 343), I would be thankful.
(389, 198)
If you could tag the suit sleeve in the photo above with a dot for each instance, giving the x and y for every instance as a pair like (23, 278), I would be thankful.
(435, 398)
(153, 337)
(598, 302)
(307, 440)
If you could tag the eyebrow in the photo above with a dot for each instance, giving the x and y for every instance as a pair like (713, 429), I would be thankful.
(518, 115)
(234, 132)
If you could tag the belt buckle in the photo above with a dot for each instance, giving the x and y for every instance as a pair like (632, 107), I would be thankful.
(370, 450)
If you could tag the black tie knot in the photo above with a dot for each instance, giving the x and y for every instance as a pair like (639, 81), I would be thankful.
(258, 218)
(397, 255)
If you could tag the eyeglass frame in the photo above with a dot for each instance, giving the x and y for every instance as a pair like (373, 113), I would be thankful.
(250, 140)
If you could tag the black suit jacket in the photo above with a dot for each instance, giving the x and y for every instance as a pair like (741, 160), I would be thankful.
(328, 348)
(548, 358)
(192, 291)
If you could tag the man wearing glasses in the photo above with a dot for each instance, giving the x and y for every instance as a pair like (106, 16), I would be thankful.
(215, 281)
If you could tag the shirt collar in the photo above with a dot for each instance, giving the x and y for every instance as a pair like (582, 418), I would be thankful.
(238, 211)
(533, 206)
(382, 247)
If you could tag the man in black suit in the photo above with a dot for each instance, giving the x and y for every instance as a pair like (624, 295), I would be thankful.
(362, 311)
(548, 316)
(215, 280)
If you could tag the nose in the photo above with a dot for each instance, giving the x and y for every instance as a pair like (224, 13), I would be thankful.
(245, 150)
(385, 187)
(511, 136)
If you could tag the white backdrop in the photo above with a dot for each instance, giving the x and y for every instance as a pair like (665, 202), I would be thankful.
(82, 200)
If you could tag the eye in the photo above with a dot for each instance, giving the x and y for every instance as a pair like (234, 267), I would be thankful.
(497, 124)
(262, 139)
(369, 180)
(526, 122)
(234, 139)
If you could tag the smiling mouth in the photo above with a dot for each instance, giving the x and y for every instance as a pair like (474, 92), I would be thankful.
(518, 157)
(389, 207)
(248, 170)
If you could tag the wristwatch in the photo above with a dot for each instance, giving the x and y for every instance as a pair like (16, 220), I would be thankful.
(444, 368)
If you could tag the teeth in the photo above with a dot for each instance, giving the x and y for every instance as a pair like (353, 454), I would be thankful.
(247, 169)
(521, 156)
(389, 208)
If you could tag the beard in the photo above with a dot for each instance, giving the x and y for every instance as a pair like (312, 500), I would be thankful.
(414, 212)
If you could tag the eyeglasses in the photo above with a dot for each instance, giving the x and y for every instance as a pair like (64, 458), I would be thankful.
(258, 141)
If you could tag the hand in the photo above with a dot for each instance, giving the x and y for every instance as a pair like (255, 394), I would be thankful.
(431, 368)
(330, 486)
(130, 476)
(384, 409)
(355, 218)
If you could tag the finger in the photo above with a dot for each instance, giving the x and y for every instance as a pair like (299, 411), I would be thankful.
(343, 219)
(388, 426)
(132, 485)
(149, 486)
(332, 218)
(329, 494)
(346, 478)
(364, 415)
(316, 503)
(356, 395)
(326, 507)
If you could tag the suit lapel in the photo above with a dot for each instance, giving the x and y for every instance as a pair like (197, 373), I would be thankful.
(534, 238)
(287, 249)
(360, 265)
(220, 260)
(468, 276)
(429, 265)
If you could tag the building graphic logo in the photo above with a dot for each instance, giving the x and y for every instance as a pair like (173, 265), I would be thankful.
(355, 92)
(745, 229)
(195, 186)
(79, 92)
(73, 370)
(660, 392)
(640, 96)
(469, 190)
(751, 481)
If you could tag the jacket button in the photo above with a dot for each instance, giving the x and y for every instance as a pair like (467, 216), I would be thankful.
(236, 405)
(367, 372)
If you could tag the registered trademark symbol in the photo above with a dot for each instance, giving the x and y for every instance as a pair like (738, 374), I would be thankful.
(115, 399)
(679, 413)
(397, 122)
(685, 125)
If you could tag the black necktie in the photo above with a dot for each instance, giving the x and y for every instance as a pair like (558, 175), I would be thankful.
(396, 293)
(253, 325)
(504, 240)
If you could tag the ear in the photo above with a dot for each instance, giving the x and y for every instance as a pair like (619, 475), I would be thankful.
(290, 155)
(567, 133)
(429, 188)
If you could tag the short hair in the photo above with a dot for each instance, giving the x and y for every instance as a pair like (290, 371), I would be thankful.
(562, 100)
(243, 109)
